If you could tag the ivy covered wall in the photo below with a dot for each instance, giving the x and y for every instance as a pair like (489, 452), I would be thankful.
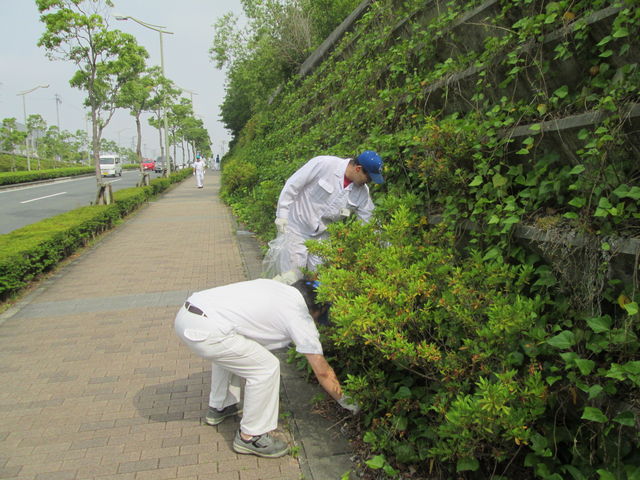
(487, 320)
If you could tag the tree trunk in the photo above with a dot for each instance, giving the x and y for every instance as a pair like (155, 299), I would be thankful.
(139, 143)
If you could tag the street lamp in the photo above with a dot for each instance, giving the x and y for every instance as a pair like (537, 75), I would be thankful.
(159, 29)
(24, 111)
(191, 92)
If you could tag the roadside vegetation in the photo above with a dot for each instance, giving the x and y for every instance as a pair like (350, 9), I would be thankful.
(31, 251)
(487, 319)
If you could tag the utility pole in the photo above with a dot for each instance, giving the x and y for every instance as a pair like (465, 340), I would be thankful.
(58, 102)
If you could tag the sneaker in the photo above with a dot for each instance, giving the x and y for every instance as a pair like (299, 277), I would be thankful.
(215, 416)
(261, 445)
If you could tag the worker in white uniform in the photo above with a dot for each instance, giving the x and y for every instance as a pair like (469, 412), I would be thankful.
(235, 326)
(324, 190)
(198, 171)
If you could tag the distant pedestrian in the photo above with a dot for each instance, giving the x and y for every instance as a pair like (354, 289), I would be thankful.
(234, 326)
(198, 171)
(216, 165)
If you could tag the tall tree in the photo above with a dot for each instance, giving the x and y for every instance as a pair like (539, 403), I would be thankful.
(138, 96)
(10, 137)
(76, 31)
(263, 55)
(164, 93)
(36, 126)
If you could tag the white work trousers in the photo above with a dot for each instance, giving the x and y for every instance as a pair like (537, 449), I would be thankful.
(199, 179)
(299, 254)
(233, 358)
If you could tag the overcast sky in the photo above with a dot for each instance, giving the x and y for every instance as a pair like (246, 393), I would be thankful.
(24, 65)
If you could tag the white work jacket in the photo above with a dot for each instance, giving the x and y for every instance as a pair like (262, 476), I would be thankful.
(315, 196)
(199, 165)
(266, 311)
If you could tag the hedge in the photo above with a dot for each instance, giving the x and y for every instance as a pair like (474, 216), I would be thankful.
(10, 178)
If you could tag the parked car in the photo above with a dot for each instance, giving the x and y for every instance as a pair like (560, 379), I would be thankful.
(110, 165)
(148, 164)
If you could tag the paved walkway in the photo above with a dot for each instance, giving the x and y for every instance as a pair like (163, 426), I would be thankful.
(95, 384)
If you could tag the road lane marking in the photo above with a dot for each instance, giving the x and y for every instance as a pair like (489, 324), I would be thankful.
(42, 198)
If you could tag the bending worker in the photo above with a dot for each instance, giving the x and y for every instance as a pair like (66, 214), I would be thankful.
(324, 190)
(235, 326)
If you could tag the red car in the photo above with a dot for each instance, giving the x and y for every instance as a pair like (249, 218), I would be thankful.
(148, 164)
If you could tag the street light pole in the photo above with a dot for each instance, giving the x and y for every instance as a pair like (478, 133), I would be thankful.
(24, 111)
(159, 29)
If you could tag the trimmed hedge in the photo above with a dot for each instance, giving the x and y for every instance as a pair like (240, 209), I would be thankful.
(30, 251)
(10, 178)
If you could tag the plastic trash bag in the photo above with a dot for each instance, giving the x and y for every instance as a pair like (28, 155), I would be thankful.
(278, 259)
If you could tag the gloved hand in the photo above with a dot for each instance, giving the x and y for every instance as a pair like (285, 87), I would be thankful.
(349, 404)
(281, 224)
(289, 277)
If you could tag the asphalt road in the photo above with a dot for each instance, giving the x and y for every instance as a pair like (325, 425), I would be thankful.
(25, 205)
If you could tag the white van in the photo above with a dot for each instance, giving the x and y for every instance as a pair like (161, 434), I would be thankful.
(110, 165)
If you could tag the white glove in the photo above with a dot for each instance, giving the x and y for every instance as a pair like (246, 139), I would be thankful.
(289, 277)
(349, 404)
(281, 224)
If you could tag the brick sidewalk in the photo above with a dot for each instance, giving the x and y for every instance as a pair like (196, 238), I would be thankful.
(95, 384)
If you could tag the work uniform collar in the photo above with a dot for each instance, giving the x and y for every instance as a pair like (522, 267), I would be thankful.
(340, 173)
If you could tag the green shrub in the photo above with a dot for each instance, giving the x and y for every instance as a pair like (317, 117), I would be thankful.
(9, 178)
(239, 177)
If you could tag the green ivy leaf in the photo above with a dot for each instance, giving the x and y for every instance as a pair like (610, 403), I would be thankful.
(594, 414)
(585, 366)
(627, 419)
(594, 391)
(376, 462)
(369, 437)
(563, 340)
(623, 191)
(552, 380)
(477, 180)
(599, 324)
(605, 474)
(561, 92)
(631, 308)
(578, 202)
(578, 169)
(499, 181)
(403, 392)
(621, 32)
(604, 203)
(467, 464)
